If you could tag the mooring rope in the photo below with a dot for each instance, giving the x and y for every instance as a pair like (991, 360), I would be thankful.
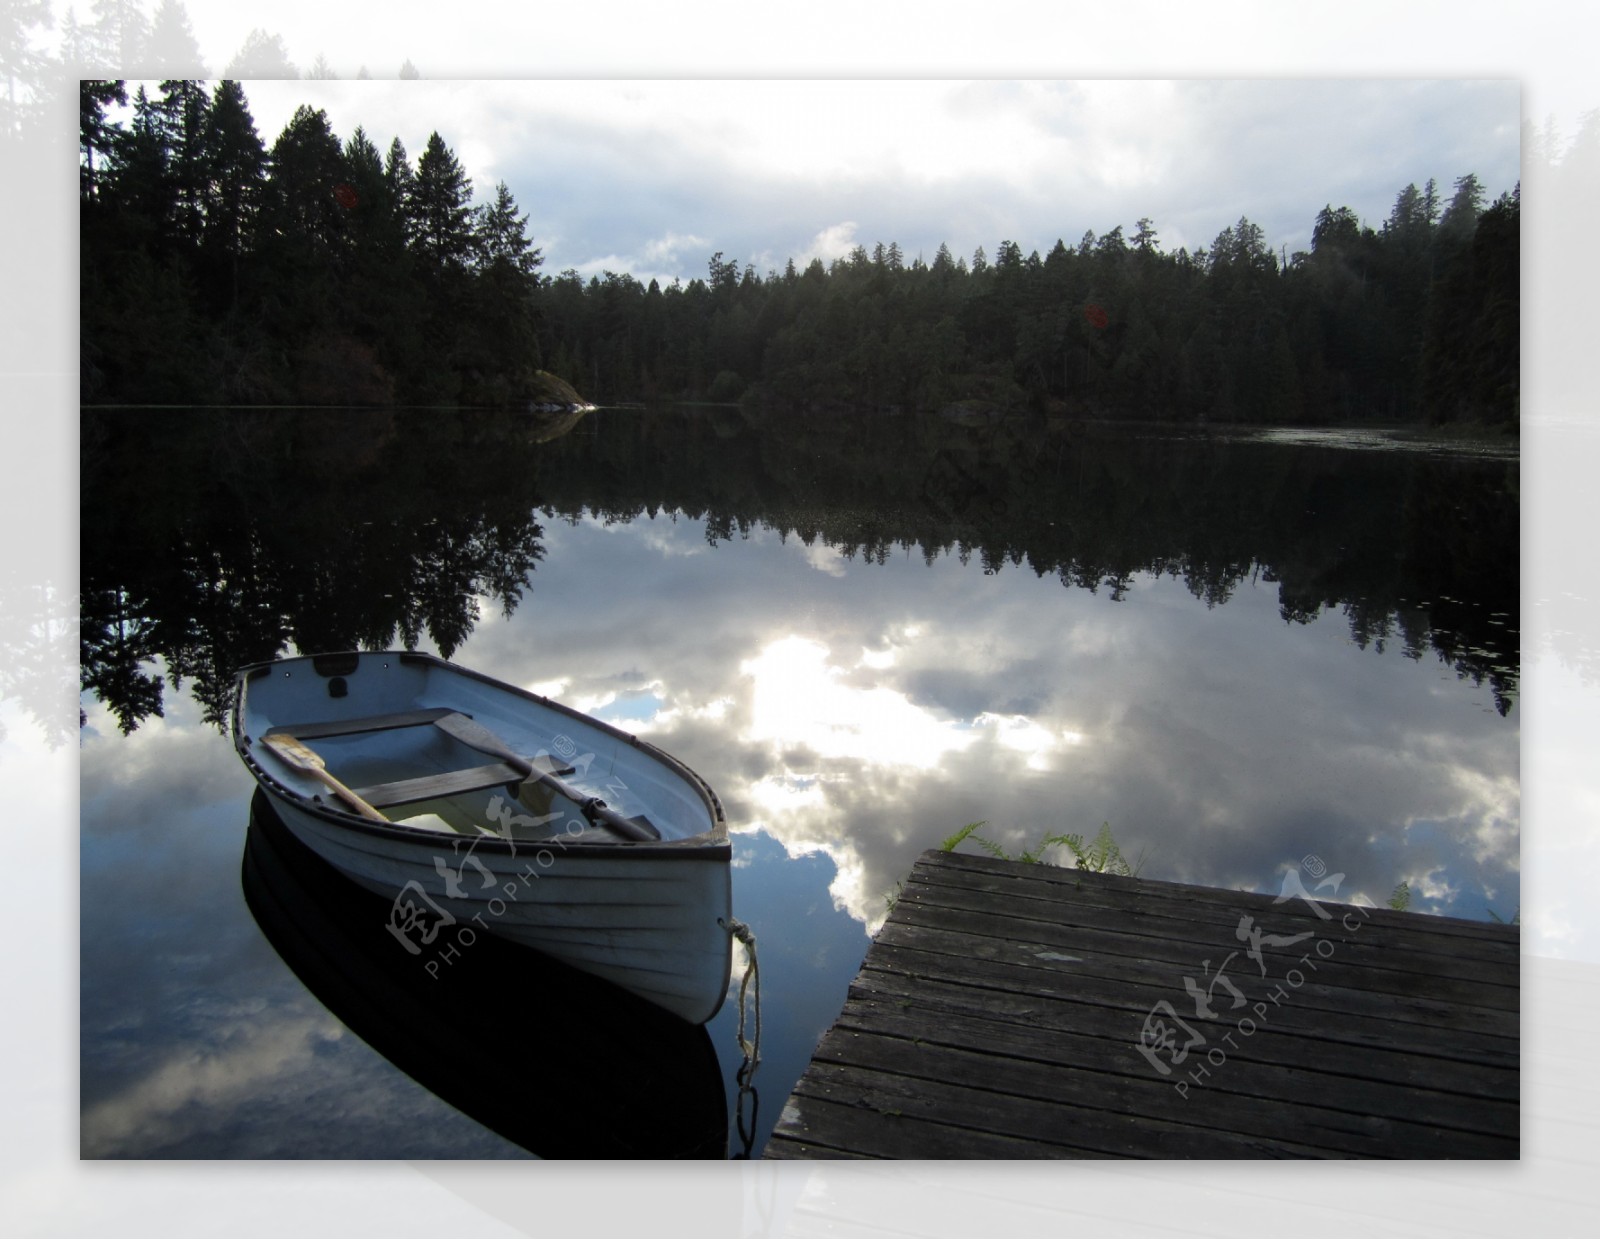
(751, 1050)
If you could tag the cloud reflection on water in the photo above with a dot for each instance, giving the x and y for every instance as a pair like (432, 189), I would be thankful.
(870, 713)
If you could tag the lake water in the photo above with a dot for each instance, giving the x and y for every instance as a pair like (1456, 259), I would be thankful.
(1236, 648)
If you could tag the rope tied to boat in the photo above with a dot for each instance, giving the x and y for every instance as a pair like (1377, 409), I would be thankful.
(751, 1049)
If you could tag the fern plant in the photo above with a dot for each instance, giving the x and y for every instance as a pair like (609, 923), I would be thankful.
(1401, 899)
(1102, 855)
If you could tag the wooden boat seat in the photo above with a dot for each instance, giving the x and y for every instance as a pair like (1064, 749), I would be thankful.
(370, 723)
(423, 787)
(452, 783)
(444, 784)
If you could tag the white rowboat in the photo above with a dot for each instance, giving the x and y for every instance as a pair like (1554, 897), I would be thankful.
(477, 807)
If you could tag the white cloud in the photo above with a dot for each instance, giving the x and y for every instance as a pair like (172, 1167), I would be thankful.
(800, 699)
(671, 247)
(826, 559)
(834, 241)
(155, 1107)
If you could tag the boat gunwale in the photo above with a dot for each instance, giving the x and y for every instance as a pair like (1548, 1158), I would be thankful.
(709, 846)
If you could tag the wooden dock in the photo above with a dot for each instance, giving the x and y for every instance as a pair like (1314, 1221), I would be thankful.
(1027, 1011)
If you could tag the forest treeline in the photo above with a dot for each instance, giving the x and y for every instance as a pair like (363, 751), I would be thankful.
(321, 270)
(216, 270)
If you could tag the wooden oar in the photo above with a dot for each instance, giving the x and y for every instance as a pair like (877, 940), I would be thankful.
(470, 732)
(305, 759)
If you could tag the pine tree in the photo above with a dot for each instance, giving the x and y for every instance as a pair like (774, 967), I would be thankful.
(1408, 224)
(140, 183)
(1335, 230)
(1461, 216)
(399, 177)
(96, 135)
(307, 164)
(185, 109)
(503, 247)
(365, 193)
(236, 164)
(439, 209)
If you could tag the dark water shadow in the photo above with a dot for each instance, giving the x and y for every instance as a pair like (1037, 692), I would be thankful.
(558, 1062)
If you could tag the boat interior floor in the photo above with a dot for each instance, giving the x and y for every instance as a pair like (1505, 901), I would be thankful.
(442, 785)
(424, 787)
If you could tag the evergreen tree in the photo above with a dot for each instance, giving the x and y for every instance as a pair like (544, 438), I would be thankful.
(399, 177)
(1112, 245)
(439, 209)
(236, 163)
(1430, 202)
(375, 223)
(1461, 216)
(95, 134)
(1335, 230)
(1470, 363)
(723, 275)
(185, 113)
(1408, 225)
(141, 182)
(302, 210)
(503, 246)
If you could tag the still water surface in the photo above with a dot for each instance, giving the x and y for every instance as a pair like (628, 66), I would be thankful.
(1235, 648)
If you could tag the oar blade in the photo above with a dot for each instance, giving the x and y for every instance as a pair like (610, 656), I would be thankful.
(295, 752)
(301, 756)
(470, 732)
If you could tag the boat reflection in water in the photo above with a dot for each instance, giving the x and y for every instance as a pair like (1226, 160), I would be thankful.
(556, 1061)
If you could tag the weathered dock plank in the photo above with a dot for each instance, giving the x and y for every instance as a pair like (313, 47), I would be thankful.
(1017, 1011)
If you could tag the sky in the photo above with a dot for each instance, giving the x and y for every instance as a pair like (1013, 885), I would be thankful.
(1546, 48)
(652, 177)
(690, 129)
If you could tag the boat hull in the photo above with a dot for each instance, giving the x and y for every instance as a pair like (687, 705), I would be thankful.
(652, 917)
(665, 1098)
